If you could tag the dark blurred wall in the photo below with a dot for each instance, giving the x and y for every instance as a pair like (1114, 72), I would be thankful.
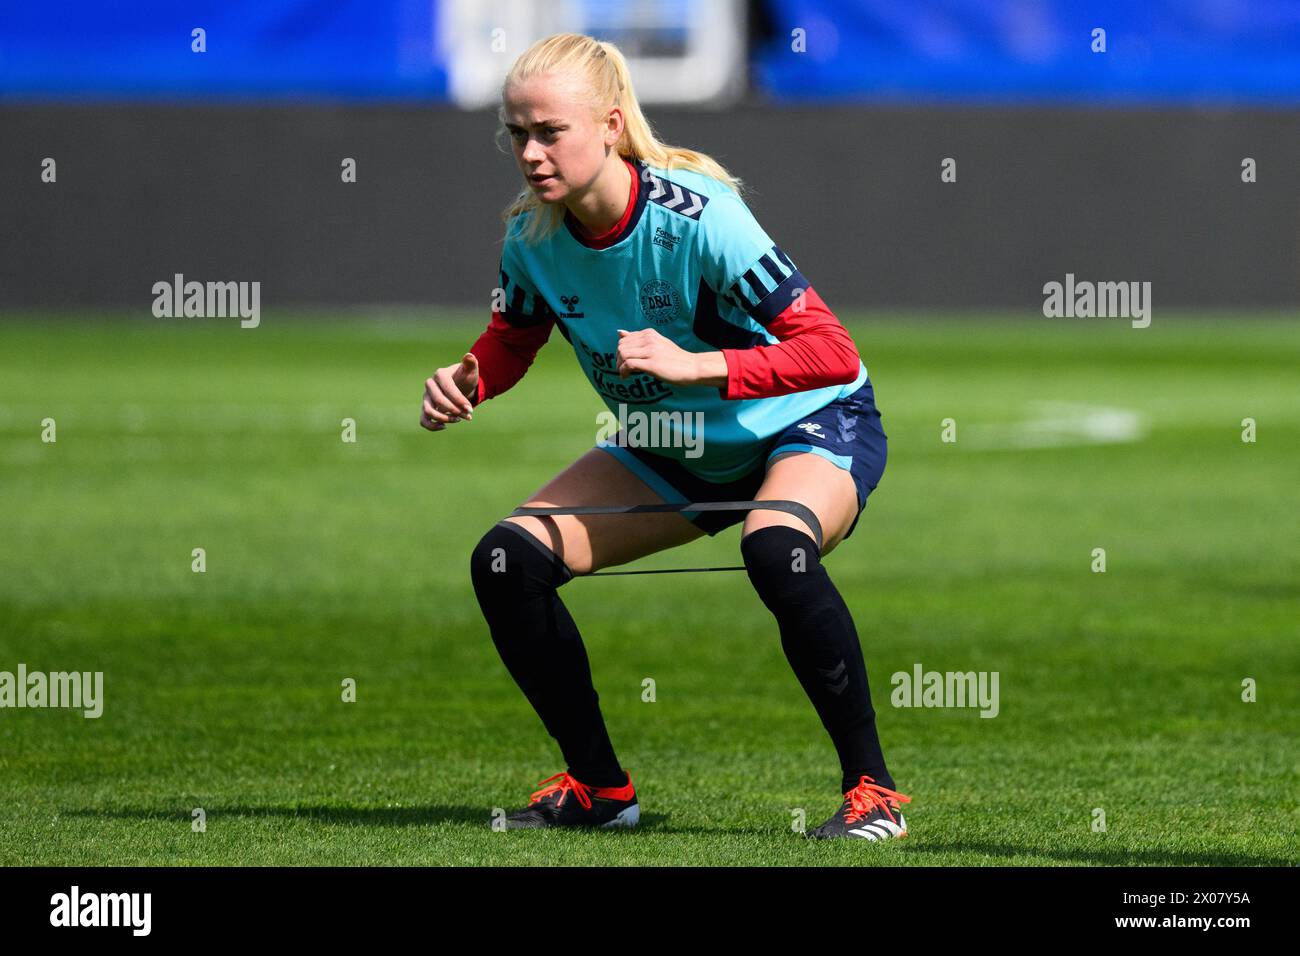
(853, 195)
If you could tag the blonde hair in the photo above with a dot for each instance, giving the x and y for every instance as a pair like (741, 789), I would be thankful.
(602, 72)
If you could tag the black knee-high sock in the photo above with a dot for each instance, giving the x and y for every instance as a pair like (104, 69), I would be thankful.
(515, 578)
(821, 644)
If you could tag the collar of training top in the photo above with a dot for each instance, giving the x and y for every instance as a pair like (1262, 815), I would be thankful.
(575, 228)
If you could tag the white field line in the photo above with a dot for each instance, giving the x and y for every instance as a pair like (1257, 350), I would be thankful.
(1057, 425)
(1049, 425)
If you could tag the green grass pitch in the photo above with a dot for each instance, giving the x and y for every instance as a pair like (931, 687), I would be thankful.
(329, 560)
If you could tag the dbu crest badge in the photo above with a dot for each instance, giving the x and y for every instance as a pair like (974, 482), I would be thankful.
(660, 302)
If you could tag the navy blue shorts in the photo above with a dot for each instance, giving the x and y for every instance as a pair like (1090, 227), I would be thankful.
(846, 432)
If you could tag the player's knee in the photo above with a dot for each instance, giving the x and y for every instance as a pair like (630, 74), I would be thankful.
(507, 564)
(781, 561)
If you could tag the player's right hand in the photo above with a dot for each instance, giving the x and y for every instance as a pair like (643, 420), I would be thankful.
(445, 401)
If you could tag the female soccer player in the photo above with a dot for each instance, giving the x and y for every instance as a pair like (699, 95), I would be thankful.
(675, 300)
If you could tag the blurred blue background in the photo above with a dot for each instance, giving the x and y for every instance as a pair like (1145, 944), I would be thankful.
(1163, 52)
(1170, 157)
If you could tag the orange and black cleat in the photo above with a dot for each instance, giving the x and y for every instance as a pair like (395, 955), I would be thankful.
(870, 812)
(568, 802)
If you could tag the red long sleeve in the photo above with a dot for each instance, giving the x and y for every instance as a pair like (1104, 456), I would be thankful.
(504, 354)
(814, 351)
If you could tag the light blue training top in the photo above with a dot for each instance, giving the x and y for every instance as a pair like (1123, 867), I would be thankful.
(692, 263)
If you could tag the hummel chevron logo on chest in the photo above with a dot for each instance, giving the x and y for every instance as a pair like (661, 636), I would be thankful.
(570, 303)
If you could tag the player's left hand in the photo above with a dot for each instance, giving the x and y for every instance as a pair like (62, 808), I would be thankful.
(650, 353)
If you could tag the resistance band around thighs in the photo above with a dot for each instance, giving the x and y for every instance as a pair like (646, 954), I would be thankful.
(802, 512)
